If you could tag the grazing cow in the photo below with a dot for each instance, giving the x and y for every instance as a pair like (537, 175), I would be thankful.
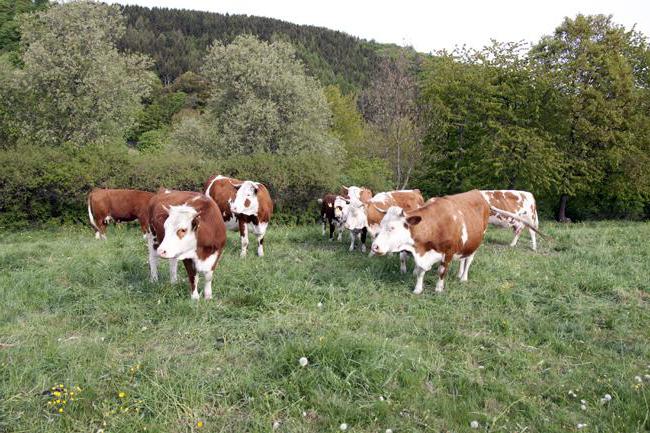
(443, 229)
(520, 203)
(242, 203)
(186, 226)
(368, 215)
(119, 205)
(328, 216)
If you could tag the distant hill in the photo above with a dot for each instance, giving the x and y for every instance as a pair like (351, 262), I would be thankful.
(177, 40)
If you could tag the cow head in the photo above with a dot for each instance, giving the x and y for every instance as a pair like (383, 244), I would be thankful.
(341, 207)
(180, 232)
(394, 234)
(246, 201)
(356, 217)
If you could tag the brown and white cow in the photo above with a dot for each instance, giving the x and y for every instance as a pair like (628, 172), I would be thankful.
(521, 203)
(186, 226)
(328, 216)
(368, 215)
(119, 205)
(242, 203)
(443, 229)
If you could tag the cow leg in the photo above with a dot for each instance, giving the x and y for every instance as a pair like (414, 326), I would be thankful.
(517, 229)
(332, 227)
(101, 233)
(260, 232)
(403, 255)
(173, 270)
(153, 259)
(461, 268)
(468, 261)
(533, 239)
(243, 235)
(353, 236)
(190, 267)
(419, 279)
(324, 221)
(364, 233)
(339, 229)
(442, 271)
(207, 286)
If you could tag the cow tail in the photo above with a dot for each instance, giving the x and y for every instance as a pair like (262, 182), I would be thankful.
(517, 218)
(91, 216)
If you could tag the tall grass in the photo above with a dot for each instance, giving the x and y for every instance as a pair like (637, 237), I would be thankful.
(509, 349)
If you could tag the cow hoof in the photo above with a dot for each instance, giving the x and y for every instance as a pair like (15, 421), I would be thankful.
(417, 291)
(242, 254)
(195, 296)
(207, 296)
(351, 249)
(363, 248)
(402, 269)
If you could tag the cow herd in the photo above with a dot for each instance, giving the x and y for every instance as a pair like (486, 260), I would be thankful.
(191, 226)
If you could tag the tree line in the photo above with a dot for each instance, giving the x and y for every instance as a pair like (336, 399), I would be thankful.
(97, 95)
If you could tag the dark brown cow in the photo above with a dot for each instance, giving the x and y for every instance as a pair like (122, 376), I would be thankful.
(521, 203)
(119, 205)
(443, 229)
(242, 203)
(186, 226)
(328, 217)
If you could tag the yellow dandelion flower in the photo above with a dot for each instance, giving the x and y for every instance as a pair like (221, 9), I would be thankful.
(56, 393)
(71, 392)
(122, 394)
(199, 424)
(61, 386)
(60, 410)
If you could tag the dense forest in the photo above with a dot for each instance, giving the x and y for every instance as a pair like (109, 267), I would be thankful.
(98, 95)
(177, 41)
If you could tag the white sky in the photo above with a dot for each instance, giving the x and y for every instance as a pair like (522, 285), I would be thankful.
(427, 25)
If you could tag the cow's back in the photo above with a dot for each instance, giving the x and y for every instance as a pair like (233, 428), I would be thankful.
(222, 191)
(120, 204)
(406, 199)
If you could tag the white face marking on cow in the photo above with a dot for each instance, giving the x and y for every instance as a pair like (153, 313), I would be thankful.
(356, 218)
(463, 234)
(180, 239)
(341, 208)
(246, 201)
(393, 234)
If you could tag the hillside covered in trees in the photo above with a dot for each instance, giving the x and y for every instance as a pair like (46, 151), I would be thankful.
(177, 41)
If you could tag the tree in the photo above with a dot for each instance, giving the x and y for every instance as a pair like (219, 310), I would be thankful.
(592, 64)
(9, 23)
(262, 100)
(485, 123)
(75, 87)
(390, 105)
(347, 122)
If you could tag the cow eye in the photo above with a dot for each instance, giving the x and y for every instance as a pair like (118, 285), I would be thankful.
(181, 232)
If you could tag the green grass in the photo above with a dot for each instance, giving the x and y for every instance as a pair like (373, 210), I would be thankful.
(504, 349)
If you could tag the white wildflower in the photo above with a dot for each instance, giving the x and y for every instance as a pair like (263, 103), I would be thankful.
(303, 362)
(343, 427)
(474, 424)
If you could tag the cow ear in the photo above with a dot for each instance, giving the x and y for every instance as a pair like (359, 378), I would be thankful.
(413, 220)
(195, 223)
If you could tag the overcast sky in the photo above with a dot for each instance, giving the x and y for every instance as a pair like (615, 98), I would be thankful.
(428, 25)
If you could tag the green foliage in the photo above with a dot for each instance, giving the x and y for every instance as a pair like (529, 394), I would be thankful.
(372, 173)
(153, 140)
(347, 122)
(600, 72)
(10, 10)
(177, 40)
(74, 87)
(485, 130)
(158, 114)
(262, 101)
(504, 348)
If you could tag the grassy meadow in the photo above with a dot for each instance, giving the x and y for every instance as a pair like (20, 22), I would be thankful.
(516, 348)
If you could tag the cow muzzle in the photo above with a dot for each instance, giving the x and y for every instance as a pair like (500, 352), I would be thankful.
(162, 252)
(376, 250)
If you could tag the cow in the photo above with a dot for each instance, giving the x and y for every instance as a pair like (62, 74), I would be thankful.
(119, 205)
(368, 215)
(242, 203)
(520, 203)
(328, 217)
(355, 196)
(186, 226)
(442, 229)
